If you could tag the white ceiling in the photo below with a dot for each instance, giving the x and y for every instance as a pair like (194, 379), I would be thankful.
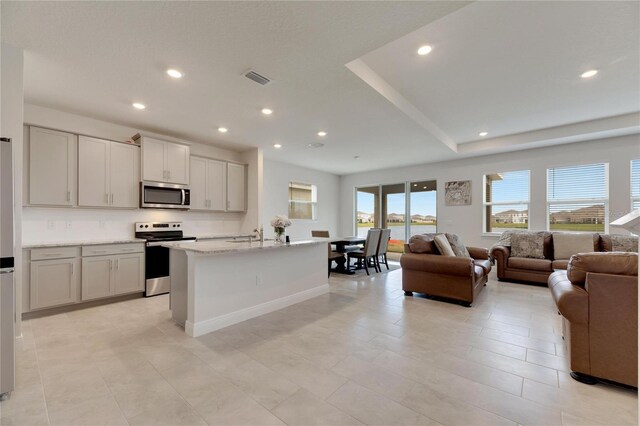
(496, 66)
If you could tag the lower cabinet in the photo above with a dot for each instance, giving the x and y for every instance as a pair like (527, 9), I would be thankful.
(54, 282)
(104, 276)
(66, 275)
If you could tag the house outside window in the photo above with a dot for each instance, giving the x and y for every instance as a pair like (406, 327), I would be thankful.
(303, 201)
(506, 201)
(578, 198)
(635, 184)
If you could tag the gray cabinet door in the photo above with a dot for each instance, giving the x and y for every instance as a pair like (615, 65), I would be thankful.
(54, 282)
(93, 172)
(52, 167)
(97, 277)
(124, 174)
(236, 188)
(129, 273)
(177, 160)
(217, 185)
(153, 160)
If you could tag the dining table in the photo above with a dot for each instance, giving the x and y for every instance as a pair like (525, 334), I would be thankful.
(342, 246)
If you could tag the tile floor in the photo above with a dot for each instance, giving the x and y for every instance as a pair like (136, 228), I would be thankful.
(363, 354)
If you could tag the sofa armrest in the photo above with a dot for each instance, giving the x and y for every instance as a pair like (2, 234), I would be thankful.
(615, 263)
(501, 256)
(479, 253)
(436, 264)
(572, 300)
(610, 294)
(407, 248)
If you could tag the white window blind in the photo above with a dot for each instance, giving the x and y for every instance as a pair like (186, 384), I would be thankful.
(303, 201)
(578, 198)
(506, 201)
(635, 184)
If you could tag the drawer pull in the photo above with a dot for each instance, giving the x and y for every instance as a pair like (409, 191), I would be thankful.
(52, 254)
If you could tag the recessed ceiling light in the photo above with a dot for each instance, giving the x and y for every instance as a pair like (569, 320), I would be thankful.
(589, 74)
(174, 73)
(424, 50)
(138, 105)
(315, 145)
(322, 133)
(415, 184)
(267, 111)
(223, 129)
(424, 187)
(483, 134)
(277, 146)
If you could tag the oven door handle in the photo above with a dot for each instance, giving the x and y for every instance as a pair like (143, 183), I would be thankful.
(157, 244)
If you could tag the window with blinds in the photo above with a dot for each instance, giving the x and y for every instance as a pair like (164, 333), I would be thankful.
(303, 201)
(635, 184)
(578, 198)
(506, 201)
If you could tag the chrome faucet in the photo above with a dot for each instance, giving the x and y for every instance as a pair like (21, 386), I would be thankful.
(260, 232)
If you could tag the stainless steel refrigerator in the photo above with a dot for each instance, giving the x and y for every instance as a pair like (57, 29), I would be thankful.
(7, 284)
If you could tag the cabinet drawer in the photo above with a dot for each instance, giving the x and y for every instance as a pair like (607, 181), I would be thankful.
(109, 249)
(54, 253)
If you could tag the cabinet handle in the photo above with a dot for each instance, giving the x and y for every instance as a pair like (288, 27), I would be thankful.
(51, 254)
(111, 199)
(118, 264)
(106, 198)
(68, 195)
(110, 265)
(169, 173)
(72, 269)
(99, 251)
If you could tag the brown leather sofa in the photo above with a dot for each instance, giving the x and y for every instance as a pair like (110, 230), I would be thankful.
(597, 297)
(451, 277)
(537, 270)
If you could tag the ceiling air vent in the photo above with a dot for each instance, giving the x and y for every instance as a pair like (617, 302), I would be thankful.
(260, 79)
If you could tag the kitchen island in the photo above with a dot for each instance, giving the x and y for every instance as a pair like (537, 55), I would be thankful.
(215, 284)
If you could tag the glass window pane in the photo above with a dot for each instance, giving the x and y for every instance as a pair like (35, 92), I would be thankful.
(301, 210)
(423, 207)
(367, 210)
(635, 178)
(577, 182)
(393, 214)
(302, 201)
(588, 217)
(508, 217)
(507, 187)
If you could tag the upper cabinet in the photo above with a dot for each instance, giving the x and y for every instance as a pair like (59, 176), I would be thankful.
(108, 173)
(208, 184)
(236, 188)
(52, 167)
(164, 161)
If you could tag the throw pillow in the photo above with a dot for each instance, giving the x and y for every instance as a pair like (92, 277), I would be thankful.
(566, 244)
(528, 244)
(423, 244)
(627, 243)
(457, 245)
(443, 245)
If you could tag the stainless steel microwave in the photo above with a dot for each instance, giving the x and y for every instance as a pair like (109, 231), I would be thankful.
(156, 195)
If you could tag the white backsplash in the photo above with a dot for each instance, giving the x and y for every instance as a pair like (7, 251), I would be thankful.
(43, 225)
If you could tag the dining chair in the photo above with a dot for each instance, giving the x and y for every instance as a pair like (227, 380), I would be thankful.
(383, 245)
(320, 234)
(333, 255)
(368, 252)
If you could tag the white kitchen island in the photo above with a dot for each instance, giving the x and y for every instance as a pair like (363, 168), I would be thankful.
(215, 284)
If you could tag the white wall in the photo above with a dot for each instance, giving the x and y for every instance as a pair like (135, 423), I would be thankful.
(466, 221)
(277, 176)
(81, 224)
(11, 89)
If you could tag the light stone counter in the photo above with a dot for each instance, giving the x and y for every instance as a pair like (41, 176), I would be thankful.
(82, 243)
(222, 247)
(217, 283)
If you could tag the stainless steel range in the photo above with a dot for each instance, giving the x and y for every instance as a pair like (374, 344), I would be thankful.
(158, 279)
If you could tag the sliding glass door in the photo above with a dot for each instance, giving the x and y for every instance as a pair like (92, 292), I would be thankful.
(407, 208)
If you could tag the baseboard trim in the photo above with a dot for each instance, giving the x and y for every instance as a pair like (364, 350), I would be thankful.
(203, 327)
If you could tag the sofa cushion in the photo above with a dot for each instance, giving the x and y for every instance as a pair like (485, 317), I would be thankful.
(423, 244)
(530, 264)
(560, 264)
(604, 263)
(566, 244)
(528, 244)
(484, 264)
(625, 243)
(443, 245)
(457, 245)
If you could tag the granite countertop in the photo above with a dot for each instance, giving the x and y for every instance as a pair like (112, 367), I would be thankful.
(82, 243)
(220, 236)
(221, 247)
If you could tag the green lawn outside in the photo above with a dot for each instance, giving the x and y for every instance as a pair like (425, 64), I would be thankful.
(370, 224)
(586, 227)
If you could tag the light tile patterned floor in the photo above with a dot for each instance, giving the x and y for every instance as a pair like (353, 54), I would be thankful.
(363, 354)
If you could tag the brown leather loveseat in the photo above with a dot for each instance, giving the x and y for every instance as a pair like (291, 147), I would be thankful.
(451, 277)
(597, 297)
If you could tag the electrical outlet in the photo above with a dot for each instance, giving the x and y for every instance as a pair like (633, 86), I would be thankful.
(68, 225)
